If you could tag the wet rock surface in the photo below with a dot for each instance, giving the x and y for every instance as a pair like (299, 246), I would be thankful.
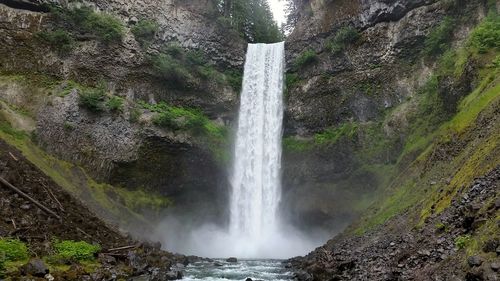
(396, 251)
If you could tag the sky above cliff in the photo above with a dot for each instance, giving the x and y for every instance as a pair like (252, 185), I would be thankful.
(278, 8)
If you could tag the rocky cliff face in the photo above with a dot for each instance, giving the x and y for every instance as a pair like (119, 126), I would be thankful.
(355, 71)
(384, 119)
(114, 146)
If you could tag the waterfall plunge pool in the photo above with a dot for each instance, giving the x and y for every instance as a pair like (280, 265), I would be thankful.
(220, 270)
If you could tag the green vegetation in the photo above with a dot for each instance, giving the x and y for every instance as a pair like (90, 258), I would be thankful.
(291, 79)
(334, 134)
(186, 69)
(144, 31)
(115, 104)
(486, 36)
(306, 58)
(438, 124)
(92, 98)
(136, 200)
(251, 19)
(234, 79)
(462, 242)
(438, 40)
(12, 250)
(76, 251)
(59, 40)
(106, 28)
(178, 118)
(344, 37)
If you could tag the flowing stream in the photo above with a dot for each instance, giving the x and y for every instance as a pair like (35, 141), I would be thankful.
(256, 180)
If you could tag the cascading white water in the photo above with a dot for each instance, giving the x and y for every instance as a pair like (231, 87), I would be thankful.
(255, 230)
(256, 179)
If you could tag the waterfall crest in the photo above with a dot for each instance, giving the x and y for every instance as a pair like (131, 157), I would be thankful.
(256, 178)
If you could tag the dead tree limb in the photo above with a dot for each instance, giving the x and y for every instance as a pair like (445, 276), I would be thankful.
(53, 197)
(124, 248)
(26, 196)
(13, 157)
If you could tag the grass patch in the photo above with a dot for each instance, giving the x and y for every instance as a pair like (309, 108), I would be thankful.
(343, 38)
(145, 31)
(76, 251)
(331, 136)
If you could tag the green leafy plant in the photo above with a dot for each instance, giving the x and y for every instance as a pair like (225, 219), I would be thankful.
(438, 40)
(76, 251)
(306, 58)
(59, 40)
(115, 104)
(144, 31)
(344, 37)
(12, 250)
(462, 241)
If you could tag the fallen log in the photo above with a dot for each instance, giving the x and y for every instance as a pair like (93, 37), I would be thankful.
(27, 197)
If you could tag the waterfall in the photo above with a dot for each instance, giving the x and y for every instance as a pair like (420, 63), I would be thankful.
(255, 228)
(256, 178)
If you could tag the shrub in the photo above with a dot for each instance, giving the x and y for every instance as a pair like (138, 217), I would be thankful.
(345, 36)
(175, 50)
(196, 57)
(92, 98)
(178, 118)
(305, 58)
(291, 79)
(234, 79)
(135, 114)
(144, 31)
(76, 251)
(486, 35)
(58, 40)
(438, 39)
(115, 103)
(12, 250)
(462, 241)
(106, 27)
(171, 70)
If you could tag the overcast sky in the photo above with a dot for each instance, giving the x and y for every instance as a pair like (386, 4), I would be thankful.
(278, 7)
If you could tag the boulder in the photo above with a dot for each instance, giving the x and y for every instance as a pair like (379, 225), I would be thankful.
(232, 259)
(475, 261)
(36, 268)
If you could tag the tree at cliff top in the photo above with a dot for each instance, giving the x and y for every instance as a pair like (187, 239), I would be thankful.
(252, 19)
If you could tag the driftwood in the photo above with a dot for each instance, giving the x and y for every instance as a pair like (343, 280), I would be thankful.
(124, 248)
(26, 196)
